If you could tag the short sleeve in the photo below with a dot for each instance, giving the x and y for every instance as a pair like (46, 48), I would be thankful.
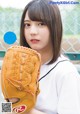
(69, 94)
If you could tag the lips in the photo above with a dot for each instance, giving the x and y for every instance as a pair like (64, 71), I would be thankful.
(34, 40)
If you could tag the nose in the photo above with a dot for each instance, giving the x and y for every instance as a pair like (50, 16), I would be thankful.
(34, 30)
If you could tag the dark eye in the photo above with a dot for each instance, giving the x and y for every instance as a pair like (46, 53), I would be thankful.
(26, 25)
(41, 24)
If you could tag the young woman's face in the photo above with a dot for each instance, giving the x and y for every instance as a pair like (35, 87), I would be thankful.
(37, 34)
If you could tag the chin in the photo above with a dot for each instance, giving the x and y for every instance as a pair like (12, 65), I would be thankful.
(35, 48)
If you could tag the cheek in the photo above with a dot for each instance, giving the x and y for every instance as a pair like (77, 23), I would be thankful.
(47, 41)
(46, 36)
(25, 33)
(46, 32)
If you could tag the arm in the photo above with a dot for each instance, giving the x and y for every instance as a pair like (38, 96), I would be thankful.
(69, 97)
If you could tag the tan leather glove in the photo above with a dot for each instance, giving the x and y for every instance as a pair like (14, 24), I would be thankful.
(19, 78)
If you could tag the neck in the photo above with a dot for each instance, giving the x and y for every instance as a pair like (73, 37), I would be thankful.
(46, 56)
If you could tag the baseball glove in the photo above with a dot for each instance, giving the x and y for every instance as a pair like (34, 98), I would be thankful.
(19, 78)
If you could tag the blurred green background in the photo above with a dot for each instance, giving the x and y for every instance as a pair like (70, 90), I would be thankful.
(10, 21)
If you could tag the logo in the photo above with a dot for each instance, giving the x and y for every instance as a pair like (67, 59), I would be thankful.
(19, 109)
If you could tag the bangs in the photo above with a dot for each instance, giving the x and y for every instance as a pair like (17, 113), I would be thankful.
(38, 12)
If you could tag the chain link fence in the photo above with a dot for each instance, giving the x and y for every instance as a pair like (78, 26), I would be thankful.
(71, 29)
(10, 21)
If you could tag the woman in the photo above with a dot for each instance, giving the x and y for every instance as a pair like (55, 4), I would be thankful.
(41, 30)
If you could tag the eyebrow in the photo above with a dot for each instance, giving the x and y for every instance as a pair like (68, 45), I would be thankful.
(26, 21)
